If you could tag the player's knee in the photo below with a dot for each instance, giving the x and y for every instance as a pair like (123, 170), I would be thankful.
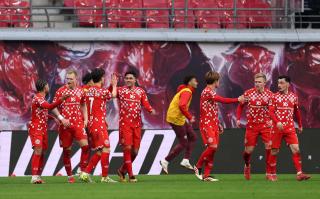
(37, 150)
(249, 149)
(274, 151)
(127, 147)
(106, 149)
(295, 149)
(83, 143)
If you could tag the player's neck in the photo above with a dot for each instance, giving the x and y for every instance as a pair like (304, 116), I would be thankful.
(260, 90)
(99, 84)
(284, 92)
(212, 86)
(42, 93)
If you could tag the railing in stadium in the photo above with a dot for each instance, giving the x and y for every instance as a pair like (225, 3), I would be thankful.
(195, 14)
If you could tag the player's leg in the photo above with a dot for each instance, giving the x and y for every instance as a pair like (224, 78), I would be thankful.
(202, 159)
(192, 138)
(292, 140)
(81, 136)
(181, 134)
(212, 147)
(266, 139)
(250, 143)
(37, 144)
(65, 137)
(276, 138)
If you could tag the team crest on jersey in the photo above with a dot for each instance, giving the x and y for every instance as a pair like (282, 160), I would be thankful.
(37, 141)
(106, 142)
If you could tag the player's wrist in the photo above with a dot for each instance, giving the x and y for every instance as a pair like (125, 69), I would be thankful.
(60, 117)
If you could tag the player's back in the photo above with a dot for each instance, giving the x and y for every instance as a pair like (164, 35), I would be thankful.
(96, 99)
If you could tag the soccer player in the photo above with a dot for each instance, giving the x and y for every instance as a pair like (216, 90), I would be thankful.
(209, 124)
(258, 121)
(283, 106)
(180, 119)
(73, 116)
(131, 98)
(38, 128)
(96, 99)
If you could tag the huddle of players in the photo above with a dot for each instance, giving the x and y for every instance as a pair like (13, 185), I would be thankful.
(79, 108)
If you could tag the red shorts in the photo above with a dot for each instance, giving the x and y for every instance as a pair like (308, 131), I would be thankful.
(288, 134)
(252, 133)
(98, 136)
(130, 136)
(39, 139)
(66, 135)
(210, 136)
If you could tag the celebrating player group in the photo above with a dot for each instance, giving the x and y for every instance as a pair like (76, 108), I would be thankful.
(81, 114)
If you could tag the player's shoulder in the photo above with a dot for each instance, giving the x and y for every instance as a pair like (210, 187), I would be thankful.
(292, 94)
(139, 89)
(249, 91)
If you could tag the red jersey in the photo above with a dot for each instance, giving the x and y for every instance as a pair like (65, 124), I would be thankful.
(96, 99)
(257, 106)
(39, 113)
(283, 107)
(209, 108)
(70, 108)
(130, 102)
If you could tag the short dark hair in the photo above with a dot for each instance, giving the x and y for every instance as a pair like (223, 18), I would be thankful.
(40, 84)
(86, 78)
(285, 77)
(187, 79)
(131, 73)
(211, 77)
(97, 74)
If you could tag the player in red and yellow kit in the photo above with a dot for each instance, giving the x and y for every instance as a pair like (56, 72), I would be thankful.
(180, 119)
(210, 128)
(96, 99)
(37, 127)
(131, 98)
(283, 106)
(258, 121)
(73, 116)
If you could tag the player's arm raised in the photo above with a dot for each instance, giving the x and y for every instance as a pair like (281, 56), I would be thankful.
(114, 82)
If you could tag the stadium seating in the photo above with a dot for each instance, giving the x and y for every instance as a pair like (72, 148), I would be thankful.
(90, 13)
(112, 13)
(156, 18)
(130, 18)
(227, 18)
(207, 18)
(15, 13)
(183, 18)
(259, 18)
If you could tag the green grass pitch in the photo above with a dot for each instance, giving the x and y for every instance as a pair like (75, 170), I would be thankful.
(164, 186)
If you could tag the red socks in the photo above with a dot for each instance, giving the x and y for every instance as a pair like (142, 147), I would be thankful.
(268, 167)
(67, 161)
(93, 163)
(246, 157)
(105, 163)
(296, 157)
(127, 161)
(205, 156)
(273, 164)
(85, 152)
(209, 164)
(35, 164)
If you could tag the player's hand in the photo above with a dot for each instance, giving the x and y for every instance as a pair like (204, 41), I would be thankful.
(280, 126)
(241, 99)
(221, 130)
(153, 112)
(193, 120)
(65, 96)
(300, 129)
(238, 123)
(65, 122)
(114, 79)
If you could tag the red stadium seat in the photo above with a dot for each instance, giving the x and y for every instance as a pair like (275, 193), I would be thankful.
(207, 18)
(68, 3)
(259, 18)
(19, 13)
(90, 13)
(4, 15)
(227, 14)
(130, 18)
(181, 18)
(157, 18)
(112, 13)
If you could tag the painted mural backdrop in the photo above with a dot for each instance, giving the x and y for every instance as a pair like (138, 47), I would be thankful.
(161, 67)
